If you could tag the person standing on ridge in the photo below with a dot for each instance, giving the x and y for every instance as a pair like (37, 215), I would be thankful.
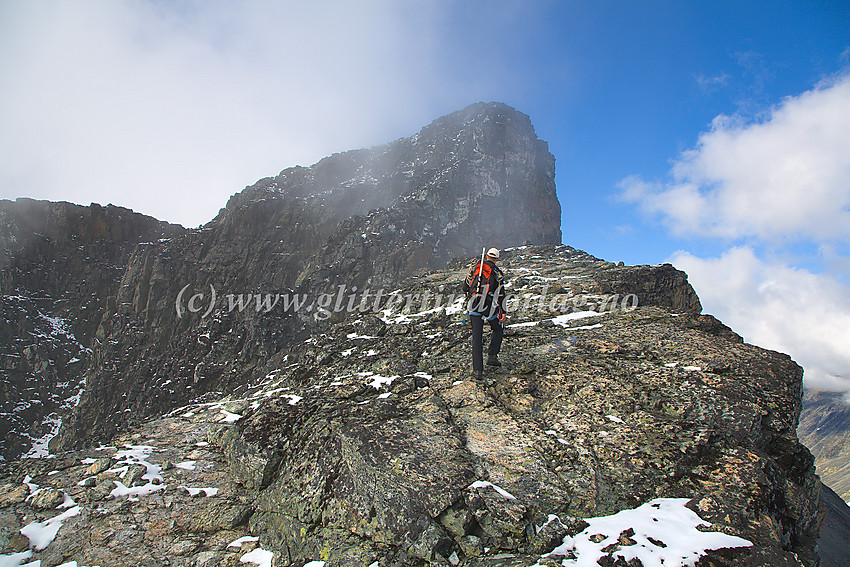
(483, 287)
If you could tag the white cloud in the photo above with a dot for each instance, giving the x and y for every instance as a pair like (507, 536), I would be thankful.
(170, 107)
(782, 178)
(775, 306)
(775, 183)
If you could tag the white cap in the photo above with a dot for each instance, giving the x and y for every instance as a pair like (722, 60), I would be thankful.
(493, 253)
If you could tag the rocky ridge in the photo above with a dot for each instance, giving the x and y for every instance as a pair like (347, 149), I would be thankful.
(368, 443)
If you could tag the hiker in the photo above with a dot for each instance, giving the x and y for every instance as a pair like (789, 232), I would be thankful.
(483, 287)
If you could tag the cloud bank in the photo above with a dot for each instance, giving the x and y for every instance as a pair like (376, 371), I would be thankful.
(784, 177)
(170, 107)
(776, 186)
(779, 307)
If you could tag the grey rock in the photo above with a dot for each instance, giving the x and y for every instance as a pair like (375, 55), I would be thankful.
(207, 559)
(433, 545)
(183, 548)
(134, 475)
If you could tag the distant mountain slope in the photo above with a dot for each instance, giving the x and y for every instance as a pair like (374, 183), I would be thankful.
(834, 543)
(825, 430)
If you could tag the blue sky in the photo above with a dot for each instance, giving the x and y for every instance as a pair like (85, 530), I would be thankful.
(637, 83)
(709, 134)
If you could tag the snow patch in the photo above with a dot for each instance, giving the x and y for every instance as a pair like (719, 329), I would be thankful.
(241, 540)
(14, 559)
(665, 534)
(135, 491)
(501, 491)
(40, 449)
(259, 557)
(293, 399)
(230, 417)
(41, 534)
(356, 336)
(377, 381)
(138, 455)
(563, 320)
(197, 491)
(67, 502)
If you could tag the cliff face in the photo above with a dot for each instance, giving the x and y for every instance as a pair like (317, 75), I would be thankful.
(59, 265)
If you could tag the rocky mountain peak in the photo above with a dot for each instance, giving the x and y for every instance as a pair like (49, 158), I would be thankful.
(289, 383)
(480, 174)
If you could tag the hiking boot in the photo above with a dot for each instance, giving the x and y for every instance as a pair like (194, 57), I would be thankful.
(493, 361)
(477, 374)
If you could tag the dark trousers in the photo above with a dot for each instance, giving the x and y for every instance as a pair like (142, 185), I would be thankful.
(478, 340)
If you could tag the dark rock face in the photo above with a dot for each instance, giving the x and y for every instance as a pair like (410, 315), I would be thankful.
(369, 442)
(59, 265)
(833, 545)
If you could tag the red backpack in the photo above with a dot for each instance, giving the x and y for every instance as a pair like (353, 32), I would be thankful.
(480, 279)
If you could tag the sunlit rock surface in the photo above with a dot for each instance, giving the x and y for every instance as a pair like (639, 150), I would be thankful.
(369, 442)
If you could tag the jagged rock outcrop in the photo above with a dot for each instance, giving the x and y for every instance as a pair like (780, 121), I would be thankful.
(59, 265)
(370, 443)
